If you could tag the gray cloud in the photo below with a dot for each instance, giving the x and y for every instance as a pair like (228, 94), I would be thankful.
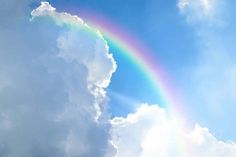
(52, 98)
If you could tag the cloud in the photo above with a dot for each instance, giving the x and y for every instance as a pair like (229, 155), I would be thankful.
(202, 11)
(52, 93)
(150, 132)
(98, 75)
(211, 86)
(215, 46)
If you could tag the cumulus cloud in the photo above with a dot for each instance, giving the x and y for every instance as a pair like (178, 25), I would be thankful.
(69, 44)
(52, 93)
(75, 45)
(150, 132)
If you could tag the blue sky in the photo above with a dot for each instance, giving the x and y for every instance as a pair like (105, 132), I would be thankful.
(61, 89)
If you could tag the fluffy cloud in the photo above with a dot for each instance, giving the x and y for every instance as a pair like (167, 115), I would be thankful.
(73, 40)
(52, 93)
(74, 45)
(150, 132)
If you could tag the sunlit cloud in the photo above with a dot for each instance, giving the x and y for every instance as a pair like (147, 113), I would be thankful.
(150, 132)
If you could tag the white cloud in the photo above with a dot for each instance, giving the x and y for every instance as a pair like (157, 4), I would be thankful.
(86, 48)
(70, 43)
(150, 132)
(52, 93)
(202, 11)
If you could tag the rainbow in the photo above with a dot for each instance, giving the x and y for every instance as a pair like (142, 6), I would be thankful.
(141, 57)
(135, 52)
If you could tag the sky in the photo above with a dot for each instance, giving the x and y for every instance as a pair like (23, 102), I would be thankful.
(68, 90)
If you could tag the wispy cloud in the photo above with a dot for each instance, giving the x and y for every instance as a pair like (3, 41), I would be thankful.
(214, 73)
(206, 12)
